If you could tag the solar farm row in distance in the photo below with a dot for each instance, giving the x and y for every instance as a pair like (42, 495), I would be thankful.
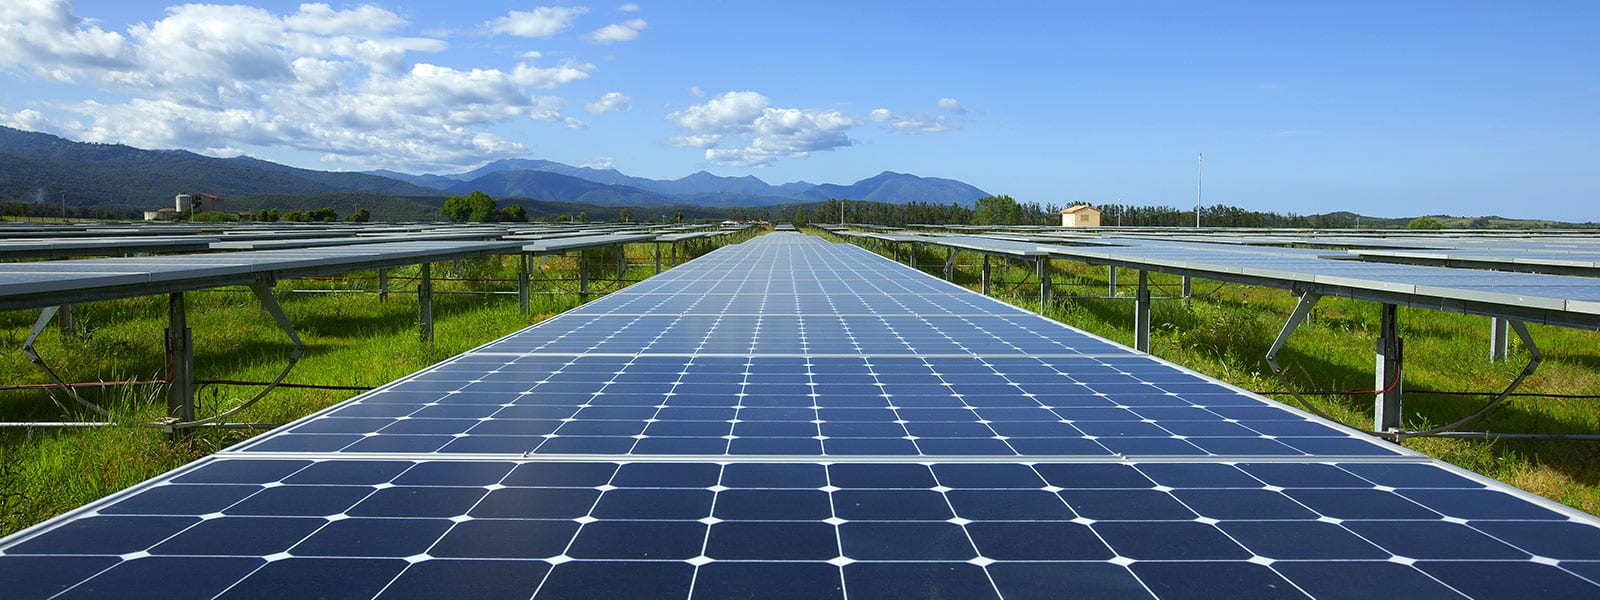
(790, 418)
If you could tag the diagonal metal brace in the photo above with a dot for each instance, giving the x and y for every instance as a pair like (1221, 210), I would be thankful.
(1534, 358)
(269, 303)
(33, 356)
(1302, 310)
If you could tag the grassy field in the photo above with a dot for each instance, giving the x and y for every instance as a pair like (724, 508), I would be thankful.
(1226, 329)
(352, 339)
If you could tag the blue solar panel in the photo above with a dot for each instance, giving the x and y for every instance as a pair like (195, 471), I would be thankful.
(524, 528)
(790, 418)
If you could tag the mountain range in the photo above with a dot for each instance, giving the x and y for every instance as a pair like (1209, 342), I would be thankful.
(40, 167)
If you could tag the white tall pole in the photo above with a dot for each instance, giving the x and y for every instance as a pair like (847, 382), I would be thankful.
(1199, 186)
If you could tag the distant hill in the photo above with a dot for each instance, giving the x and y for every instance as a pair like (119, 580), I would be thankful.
(37, 166)
(513, 176)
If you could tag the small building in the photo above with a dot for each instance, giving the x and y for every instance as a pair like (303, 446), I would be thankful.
(1081, 215)
(164, 214)
(199, 202)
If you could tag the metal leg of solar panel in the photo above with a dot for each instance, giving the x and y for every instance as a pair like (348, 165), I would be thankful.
(1386, 406)
(180, 362)
(383, 285)
(1042, 264)
(1302, 310)
(1141, 314)
(985, 274)
(658, 257)
(524, 288)
(65, 321)
(33, 356)
(949, 264)
(913, 260)
(425, 302)
(583, 276)
(1499, 338)
(1186, 290)
(1111, 288)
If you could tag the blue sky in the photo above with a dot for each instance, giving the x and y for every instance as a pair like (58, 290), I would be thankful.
(1385, 108)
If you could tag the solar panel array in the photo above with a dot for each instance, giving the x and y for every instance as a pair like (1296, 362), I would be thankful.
(791, 418)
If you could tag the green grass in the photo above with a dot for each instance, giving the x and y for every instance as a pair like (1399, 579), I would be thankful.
(1226, 329)
(352, 339)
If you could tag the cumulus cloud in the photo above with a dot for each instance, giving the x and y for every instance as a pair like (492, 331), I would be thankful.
(541, 22)
(952, 105)
(617, 32)
(630, 7)
(743, 129)
(341, 84)
(609, 102)
(599, 162)
(694, 90)
(913, 123)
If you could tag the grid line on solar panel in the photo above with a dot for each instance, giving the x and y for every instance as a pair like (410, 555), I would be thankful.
(849, 405)
(675, 529)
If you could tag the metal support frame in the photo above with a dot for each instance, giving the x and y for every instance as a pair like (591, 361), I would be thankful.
(986, 282)
(583, 276)
(1389, 363)
(657, 246)
(383, 285)
(66, 322)
(1042, 268)
(1499, 338)
(913, 260)
(1111, 288)
(33, 356)
(1302, 310)
(180, 362)
(949, 264)
(425, 303)
(1187, 288)
(524, 288)
(1141, 314)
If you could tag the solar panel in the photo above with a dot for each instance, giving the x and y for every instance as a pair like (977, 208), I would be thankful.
(791, 418)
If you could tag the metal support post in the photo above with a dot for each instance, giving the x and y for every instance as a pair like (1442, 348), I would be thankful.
(658, 257)
(949, 264)
(524, 288)
(913, 260)
(1499, 338)
(583, 276)
(985, 274)
(1302, 310)
(383, 284)
(1186, 290)
(1042, 264)
(1141, 314)
(674, 254)
(1386, 406)
(65, 321)
(1112, 287)
(425, 301)
(622, 262)
(180, 362)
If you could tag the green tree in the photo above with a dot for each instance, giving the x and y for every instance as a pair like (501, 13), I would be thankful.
(295, 216)
(997, 210)
(583, 217)
(1424, 223)
(476, 207)
(361, 215)
(267, 215)
(514, 214)
(625, 214)
(324, 214)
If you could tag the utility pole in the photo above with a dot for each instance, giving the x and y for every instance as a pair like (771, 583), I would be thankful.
(841, 213)
(1199, 186)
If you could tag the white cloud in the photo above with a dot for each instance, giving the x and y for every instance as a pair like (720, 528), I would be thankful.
(617, 32)
(694, 90)
(609, 102)
(630, 7)
(952, 105)
(541, 22)
(599, 162)
(913, 123)
(335, 83)
(759, 134)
